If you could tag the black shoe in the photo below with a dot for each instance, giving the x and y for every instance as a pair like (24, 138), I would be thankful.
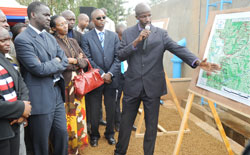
(134, 128)
(94, 142)
(111, 141)
(117, 128)
(102, 122)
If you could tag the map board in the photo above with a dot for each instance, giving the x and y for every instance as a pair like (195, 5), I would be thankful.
(227, 42)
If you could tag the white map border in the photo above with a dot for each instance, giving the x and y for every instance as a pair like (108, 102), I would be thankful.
(202, 81)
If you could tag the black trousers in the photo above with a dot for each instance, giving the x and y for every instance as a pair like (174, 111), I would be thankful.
(95, 102)
(119, 94)
(51, 126)
(10, 146)
(129, 112)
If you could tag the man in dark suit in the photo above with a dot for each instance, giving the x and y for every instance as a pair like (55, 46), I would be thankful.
(71, 19)
(42, 62)
(143, 48)
(100, 46)
(14, 104)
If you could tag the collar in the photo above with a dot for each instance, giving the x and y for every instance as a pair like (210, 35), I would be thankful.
(35, 29)
(7, 55)
(97, 31)
(139, 27)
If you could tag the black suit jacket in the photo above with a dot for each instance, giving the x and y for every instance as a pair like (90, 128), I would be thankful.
(104, 59)
(145, 68)
(78, 37)
(11, 110)
(40, 67)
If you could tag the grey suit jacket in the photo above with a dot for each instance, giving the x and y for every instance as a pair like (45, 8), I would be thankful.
(145, 68)
(104, 59)
(39, 67)
(11, 110)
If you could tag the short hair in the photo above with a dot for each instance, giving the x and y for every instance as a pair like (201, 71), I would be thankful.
(141, 8)
(33, 7)
(94, 11)
(105, 11)
(53, 20)
(16, 29)
(82, 16)
(120, 27)
(66, 13)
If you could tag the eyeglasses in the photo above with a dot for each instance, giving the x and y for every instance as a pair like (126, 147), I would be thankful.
(99, 18)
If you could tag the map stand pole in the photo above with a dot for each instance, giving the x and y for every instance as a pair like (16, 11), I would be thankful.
(220, 127)
(183, 124)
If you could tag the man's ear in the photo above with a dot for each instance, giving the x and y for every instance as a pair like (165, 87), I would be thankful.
(53, 29)
(33, 14)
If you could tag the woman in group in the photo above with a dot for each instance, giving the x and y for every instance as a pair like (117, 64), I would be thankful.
(74, 105)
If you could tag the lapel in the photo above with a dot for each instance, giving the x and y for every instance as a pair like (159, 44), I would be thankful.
(97, 41)
(152, 36)
(106, 40)
(39, 40)
(11, 70)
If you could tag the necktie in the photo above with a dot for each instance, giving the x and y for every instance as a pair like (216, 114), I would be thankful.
(101, 38)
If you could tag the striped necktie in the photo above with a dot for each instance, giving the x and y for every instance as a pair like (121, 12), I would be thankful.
(101, 38)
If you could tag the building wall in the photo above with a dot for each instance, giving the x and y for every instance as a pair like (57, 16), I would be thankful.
(187, 20)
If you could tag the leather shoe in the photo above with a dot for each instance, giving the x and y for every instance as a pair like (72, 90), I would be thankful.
(94, 142)
(134, 128)
(111, 141)
(102, 122)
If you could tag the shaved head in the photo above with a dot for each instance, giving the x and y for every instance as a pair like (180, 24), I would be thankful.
(67, 13)
(3, 21)
(83, 16)
(95, 12)
(4, 40)
(142, 8)
(70, 17)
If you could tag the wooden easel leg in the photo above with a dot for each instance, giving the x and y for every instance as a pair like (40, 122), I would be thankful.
(172, 92)
(183, 123)
(220, 127)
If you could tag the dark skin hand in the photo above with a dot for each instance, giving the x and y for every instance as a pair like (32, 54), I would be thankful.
(107, 78)
(209, 67)
(143, 35)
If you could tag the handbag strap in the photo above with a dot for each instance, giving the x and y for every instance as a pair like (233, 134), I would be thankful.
(89, 65)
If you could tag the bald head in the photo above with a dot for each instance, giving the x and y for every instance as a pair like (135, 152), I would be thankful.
(4, 40)
(70, 17)
(3, 21)
(142, 8)
(119, 30)
(95, 12)
(83, 21)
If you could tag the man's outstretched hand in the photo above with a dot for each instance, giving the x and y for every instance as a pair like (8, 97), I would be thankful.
(209, 67)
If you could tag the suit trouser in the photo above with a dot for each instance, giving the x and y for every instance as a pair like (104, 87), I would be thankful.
(52, 125)
(95, 101)
(119, 94)
(129, 112)
(10, 146)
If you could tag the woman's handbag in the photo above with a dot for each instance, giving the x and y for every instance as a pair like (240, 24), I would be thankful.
(85, 82)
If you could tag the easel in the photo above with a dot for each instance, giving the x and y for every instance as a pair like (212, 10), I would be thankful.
(162, 131)
(185, 118)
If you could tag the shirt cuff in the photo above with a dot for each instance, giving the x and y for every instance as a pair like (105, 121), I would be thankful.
(110, 74)
(133, 48)
(193, 63)
(102, 74)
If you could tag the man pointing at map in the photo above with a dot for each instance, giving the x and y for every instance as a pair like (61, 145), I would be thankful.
(143, 46)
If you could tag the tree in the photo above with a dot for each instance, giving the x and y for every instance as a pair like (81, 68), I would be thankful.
(115, 9)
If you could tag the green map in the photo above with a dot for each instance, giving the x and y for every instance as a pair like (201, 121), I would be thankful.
(229, 46)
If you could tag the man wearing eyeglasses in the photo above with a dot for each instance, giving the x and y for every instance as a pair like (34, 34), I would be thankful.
(143, 46)
(101, 46)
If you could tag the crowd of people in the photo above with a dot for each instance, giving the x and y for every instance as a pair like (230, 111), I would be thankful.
(37, 80)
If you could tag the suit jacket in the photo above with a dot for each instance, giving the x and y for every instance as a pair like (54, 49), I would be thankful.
(104, 59)
(11, 110)
(145, 68)
(78, 37)
(40, 67)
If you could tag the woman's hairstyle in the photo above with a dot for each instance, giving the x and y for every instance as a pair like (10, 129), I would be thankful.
(53, 21)
(16, 29)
